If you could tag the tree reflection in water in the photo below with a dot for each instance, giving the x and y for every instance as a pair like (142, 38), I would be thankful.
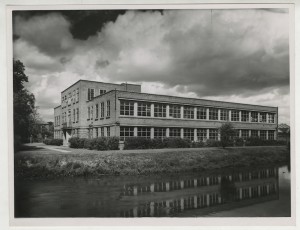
(227, 189)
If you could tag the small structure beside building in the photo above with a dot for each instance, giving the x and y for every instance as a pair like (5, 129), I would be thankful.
(92, 109)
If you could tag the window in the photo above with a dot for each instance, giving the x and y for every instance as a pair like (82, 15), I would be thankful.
(127, 108)
(201, 134)
(102, 109)
(91, 94)
(263, 134)
(224, 115)
(126, 132)
(102, 131)
(201, 113)
(175, 111)
(144, 109)
(213, 134)
(271, 118)
(263, 117)
(254, 116)
(89, 113)
(92, 113)
(74, 115)
(245, 133)
(159, 110)
(102, 91)
(97, 111)
(245, 116)
(77, 95)
(159, 132)
(108, 131)
(144, 132)
(254, 133)
(74, 95)
(213, 114)
(108, 109)
(188, 112)
(188, 133)
(77, 114)
(174, 132)
(96, 132)
(271, 134)
(235, 115)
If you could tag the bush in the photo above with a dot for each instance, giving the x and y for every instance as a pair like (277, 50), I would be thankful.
(199, 144)
(57, 142)
(157, 143)
(137, 143)
(260, 142)
(100, 143)
(177, 142)
(213, 143)
(112, 143)
(239, 142)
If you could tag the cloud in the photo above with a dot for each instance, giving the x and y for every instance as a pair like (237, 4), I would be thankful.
(234, 55)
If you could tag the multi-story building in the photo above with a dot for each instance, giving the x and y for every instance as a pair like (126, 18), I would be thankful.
(94, 109)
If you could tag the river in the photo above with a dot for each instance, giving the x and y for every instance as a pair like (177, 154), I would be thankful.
(221, 193)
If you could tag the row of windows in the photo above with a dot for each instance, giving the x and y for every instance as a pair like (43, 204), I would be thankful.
(57, 121)
(91, 93)
(71, 115)
(73, 97)
(99, 110)
(202, 113)
(202, 134)
(99, 132)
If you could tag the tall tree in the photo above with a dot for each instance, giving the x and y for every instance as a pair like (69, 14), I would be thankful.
(227, 133)
(24, 103)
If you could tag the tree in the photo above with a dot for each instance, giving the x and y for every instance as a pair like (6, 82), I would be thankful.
(227, 133)
(24, 104)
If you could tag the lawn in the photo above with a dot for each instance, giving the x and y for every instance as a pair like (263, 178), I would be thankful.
(40, 162)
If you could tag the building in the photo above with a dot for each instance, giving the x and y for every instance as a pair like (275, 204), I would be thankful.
(94, 109)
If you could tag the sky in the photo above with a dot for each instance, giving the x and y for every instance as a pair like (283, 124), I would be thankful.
(238, 55)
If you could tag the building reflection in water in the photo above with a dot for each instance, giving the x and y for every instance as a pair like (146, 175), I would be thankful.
(207, 194)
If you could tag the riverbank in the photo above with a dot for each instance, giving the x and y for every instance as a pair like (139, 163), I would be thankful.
(39, 162)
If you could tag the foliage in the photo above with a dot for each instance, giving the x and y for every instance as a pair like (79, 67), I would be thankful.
(227, 133)
(259, 142)
(100, 143)
(213, 143)
(57, 142)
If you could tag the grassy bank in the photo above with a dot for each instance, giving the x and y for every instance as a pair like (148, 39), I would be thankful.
(41, 162)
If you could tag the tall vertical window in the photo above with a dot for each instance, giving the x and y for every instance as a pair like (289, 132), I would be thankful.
(102, 131)
(160, 110)
(224, 115)
(126, 131)
(74, 97)
(144, 132)
(245, 133)
(89, 113)
(108, 131)
(97, 111)
(213, 134)
(201, 134)
(235, 115)
(91, 94)
(144, 109)
(188, 133)
(174, 132)
(213, 114)
(77, 95)
(159, 133)
(271, 118)
(254, 133)
(263, 117)
(127, 108)
(96, 131)
(102, 109)
(188, 112)
(108, 108)
(245, 116)
(92, 112)
(201, 113)
(174, 111)
(271, 134)
(254, 116)
(77, 111)
(263, 134)
(74, 115)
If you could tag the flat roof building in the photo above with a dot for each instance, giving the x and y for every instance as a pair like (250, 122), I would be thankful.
(94, 109)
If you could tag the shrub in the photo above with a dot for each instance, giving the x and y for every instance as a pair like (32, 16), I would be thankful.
(260, 142)
(157, 143)
(112, 143)
(100, 143)
(177, 142)
(137, 143)
(239, 142)
(212, 143)
(75, 142)
(87, 144)
(57, 142)
(198, 144)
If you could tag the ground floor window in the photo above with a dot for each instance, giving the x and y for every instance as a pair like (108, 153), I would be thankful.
(254, 133)
(263, 134)
(159, 132)
(144, 132)
(189, 134)
(126, 132)
(174, 132)
(213, 134)
(201, 134)
(102, 131)
(271, 134)
(96, 132)
(108, 131)
(245, 133)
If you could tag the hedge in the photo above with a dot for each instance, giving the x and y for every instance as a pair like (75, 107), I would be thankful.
(57, 142)
(100, 143)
